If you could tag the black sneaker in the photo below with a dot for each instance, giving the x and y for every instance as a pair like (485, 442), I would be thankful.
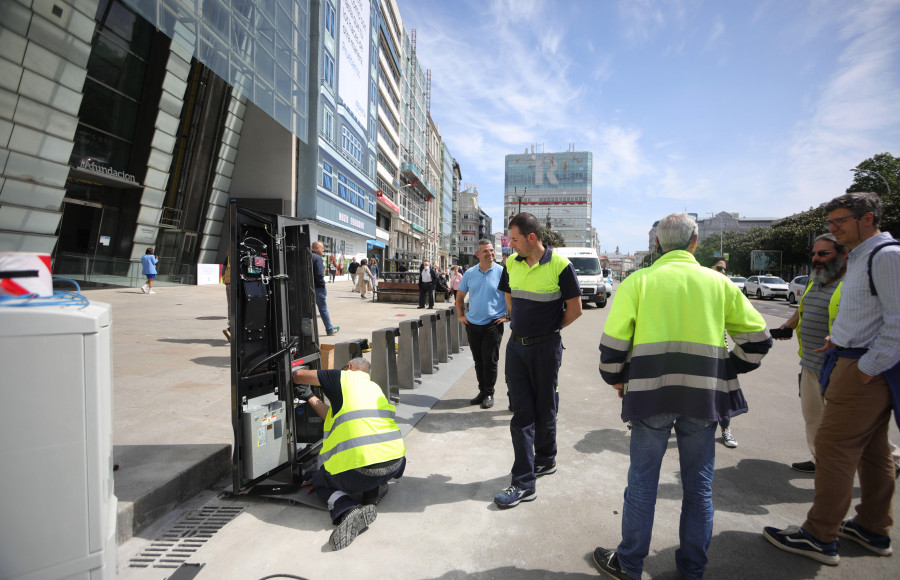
(796, 540)
(354, 522)
(881, 545)
(513, 496)
(607, 561)
(542, 470)
(804, 467)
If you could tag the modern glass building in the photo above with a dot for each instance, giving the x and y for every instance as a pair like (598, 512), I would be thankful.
(554, 187)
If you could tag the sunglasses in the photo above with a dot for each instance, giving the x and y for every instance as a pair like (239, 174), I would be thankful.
(720, 268)
(820, 253)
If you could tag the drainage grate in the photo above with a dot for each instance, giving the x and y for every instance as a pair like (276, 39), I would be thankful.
(174, 546)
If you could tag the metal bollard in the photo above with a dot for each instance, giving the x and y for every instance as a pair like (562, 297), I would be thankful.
(384, 362)
(463, 333)
(453, 325)
(428, 343)
(442, 334)
(409, 365)
(345, 351)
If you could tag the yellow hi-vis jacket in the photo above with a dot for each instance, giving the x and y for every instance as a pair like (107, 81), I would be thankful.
(664, 340)
(364, 431)
(832, 311)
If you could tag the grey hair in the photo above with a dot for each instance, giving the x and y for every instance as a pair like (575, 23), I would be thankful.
(675, 231)
(484, 242)
(361, 364)
(838, 247)
(859, 203)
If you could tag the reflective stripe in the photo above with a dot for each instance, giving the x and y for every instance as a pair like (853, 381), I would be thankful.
(360, 414)
(680, 346)
(537, 296)
(359, 442)
(693, 381)
(750, 357)
(612, 367)
(615, 343)
(745, 337)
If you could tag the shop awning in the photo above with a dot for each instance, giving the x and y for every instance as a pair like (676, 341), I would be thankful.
(376, 243)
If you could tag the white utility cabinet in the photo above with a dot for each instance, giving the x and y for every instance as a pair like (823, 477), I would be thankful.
(57, 502)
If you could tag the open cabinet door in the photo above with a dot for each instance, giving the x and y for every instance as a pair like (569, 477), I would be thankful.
(273, 324)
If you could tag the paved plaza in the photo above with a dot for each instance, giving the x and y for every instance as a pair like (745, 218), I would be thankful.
(172, 396)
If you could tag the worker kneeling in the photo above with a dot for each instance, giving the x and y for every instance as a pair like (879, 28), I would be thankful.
(362, 447)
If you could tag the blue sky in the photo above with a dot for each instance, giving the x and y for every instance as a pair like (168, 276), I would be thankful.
(756, 107)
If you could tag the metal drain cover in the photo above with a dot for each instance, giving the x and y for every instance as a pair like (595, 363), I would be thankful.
(178, 543)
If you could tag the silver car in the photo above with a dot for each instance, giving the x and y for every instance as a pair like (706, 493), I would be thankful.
(770, 287)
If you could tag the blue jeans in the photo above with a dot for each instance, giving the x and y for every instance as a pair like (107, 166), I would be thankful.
(323, 309)
(696, 453)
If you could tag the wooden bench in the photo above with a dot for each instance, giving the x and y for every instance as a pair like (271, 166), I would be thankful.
(405, 292)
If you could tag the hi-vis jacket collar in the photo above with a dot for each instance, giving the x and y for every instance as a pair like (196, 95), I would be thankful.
(548, 253)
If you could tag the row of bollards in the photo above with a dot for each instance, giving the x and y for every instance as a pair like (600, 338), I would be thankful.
(400, 356)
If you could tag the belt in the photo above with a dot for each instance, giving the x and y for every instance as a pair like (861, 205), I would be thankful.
(529, 340)
(860, 351)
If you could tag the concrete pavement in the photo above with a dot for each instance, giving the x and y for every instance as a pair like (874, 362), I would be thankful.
(438, 521)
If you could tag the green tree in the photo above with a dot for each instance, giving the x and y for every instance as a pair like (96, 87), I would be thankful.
(871, 175)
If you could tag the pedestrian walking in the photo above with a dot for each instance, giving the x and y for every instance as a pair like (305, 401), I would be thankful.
(427, 282)
(354, 267)
(663, 349)
(332, 269)
(148, 267)
(542, 297)
(321, 293)
(376, 272)
(721, 266)
(364, 277)
(455, 278)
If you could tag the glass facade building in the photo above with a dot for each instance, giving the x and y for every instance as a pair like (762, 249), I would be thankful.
(260, 47)
(552, 186)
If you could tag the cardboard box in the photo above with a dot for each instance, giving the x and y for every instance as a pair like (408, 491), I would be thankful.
(327, 356)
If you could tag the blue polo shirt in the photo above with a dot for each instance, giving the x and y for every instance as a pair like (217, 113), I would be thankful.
(486, 303)
(539, 292)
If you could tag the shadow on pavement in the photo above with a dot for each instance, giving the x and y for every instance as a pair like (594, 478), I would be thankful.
(513, 572)
(734, 554)
(209, 341)
(436, 422)
(412, 494)
(749, 486)
(615, 440)
(213, 361)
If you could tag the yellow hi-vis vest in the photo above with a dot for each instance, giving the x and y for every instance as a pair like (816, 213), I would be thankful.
(832, 311)
(364, 431)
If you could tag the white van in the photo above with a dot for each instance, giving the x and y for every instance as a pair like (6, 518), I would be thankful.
(591, 277)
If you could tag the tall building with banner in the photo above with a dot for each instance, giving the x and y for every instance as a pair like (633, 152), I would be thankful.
(555, 188)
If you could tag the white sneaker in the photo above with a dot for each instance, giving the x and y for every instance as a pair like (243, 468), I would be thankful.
(728, 438)
(152, 292)
(144, 288)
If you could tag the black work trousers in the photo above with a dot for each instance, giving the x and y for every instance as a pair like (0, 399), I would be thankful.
(484, 341)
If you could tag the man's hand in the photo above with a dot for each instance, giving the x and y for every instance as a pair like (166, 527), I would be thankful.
(782, 327)
(304, 392)
(502, 319)
(618, 388)
(864, 378)
(827, 346)
(462, 319)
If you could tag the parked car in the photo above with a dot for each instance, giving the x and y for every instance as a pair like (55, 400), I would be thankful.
(796, 288)
(770, 287)
(738, 281)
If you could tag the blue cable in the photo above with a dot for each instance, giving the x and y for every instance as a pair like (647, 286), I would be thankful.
(59, 298)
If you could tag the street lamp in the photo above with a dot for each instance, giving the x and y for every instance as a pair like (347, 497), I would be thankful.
(886, 184)
(721, 232)
(516, 193)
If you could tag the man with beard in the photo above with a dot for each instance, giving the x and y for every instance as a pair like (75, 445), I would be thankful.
(818, 309)
(814, 317)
